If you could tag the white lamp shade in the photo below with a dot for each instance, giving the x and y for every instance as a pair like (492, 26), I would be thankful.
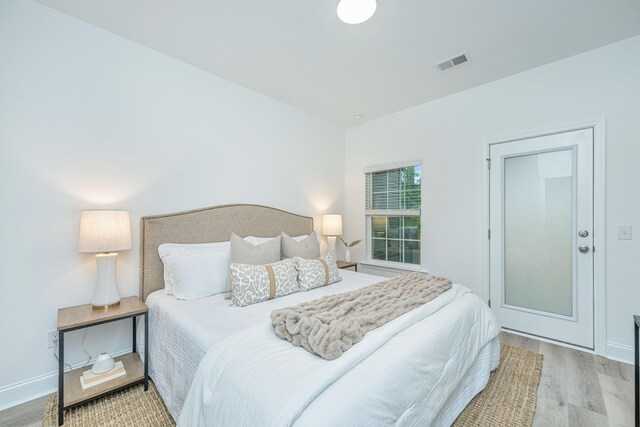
(356, 11)
(332, 225)
(104, 231)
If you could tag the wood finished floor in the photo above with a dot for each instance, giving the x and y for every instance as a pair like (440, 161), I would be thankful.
(576, 389)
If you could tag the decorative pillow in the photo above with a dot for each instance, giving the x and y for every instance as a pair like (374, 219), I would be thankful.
(244, 252)
(256, 283)
(260, 240)
(307, 248)
(313, 273)
(168, 250)
(199, 274)
(255, 241)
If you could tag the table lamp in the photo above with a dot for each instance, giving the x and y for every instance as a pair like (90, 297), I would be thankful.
(104, 231)
(332, 227)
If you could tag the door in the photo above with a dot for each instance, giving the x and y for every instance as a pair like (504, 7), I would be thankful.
(541, 236)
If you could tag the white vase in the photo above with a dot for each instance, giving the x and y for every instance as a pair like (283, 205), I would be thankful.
(104, 363)
(347, 255)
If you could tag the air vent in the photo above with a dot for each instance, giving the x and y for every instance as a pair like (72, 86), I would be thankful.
(452, 62)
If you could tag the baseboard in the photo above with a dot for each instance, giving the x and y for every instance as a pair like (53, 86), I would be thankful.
(620, 352)
(33, 388)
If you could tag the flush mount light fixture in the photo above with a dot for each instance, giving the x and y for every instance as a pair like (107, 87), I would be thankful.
(356, 11)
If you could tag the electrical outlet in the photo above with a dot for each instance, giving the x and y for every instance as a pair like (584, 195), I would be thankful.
(624, 232)
(52, 339)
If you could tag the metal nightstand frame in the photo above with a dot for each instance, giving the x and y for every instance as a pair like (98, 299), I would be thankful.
(145, 379)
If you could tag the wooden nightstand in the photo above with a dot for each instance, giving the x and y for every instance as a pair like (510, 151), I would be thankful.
(345, 264)
(84, 316)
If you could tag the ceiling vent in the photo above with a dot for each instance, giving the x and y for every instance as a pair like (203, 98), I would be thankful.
(452, 62)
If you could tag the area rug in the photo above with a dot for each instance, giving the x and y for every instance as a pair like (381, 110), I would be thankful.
(508, 400)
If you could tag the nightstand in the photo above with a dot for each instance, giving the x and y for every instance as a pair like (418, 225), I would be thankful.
(84, 316)
(345, 264)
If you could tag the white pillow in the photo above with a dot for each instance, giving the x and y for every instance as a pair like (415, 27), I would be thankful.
(199, 274)
(168, 250)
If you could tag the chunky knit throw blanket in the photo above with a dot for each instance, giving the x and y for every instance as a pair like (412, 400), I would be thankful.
(330, 325)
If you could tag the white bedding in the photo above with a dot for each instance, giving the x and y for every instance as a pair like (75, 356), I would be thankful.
(395, 380)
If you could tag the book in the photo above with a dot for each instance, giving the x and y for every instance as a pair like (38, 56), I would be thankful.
(89, 379)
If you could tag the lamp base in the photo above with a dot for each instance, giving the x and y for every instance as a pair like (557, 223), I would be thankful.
(106, 294)
(331, 243)
(105, 307)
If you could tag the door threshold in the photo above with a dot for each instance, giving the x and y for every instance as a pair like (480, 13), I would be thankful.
(551, 341)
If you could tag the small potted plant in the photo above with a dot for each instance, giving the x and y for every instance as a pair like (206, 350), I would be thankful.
(347, 255)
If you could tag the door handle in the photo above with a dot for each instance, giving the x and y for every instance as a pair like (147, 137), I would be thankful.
(583, 248)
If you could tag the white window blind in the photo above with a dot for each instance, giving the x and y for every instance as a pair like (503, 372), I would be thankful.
(392, 210)
(394, 191)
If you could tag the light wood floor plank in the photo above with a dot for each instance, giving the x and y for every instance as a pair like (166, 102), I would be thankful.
(613, 369)
(553, 382)
(520, 341)
(618, 398)
(580, 417)
(583, 385)
(550, 412)
(27, 414)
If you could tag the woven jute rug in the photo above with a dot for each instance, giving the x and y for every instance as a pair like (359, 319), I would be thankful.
(508, 400)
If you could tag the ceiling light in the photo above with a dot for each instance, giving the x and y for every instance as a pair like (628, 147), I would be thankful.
(356, 11)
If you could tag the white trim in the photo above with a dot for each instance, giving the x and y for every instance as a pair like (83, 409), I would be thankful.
(599, 238)
(550, 341)
(393, 212)
(24, 391)
(601, 347)
(620, 352)
(391, 267)
(391, 166)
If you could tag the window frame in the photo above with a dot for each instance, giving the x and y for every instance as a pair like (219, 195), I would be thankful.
(389, 213)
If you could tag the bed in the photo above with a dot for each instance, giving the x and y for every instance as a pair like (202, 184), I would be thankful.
(215, 364)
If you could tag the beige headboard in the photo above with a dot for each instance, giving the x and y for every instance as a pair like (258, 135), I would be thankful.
(213, 224)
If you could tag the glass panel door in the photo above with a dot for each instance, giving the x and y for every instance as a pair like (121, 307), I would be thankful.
(538, 217)
(541, 236)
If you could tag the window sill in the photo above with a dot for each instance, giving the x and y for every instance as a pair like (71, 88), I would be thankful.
(392, 267)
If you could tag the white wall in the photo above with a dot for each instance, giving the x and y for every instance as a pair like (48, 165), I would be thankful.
(449, 136)
(90, 120)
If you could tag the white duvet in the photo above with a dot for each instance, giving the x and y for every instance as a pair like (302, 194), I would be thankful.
(399, 374)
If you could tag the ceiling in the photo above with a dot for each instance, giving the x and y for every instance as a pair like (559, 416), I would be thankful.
(297, 51)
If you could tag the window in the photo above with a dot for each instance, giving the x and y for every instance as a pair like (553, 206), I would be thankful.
(393, 200)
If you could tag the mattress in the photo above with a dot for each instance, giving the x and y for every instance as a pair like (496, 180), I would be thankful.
(181, 333)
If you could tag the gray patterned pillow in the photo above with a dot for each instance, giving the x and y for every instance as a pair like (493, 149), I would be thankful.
(244, 252)
(256, 283)
(313, 273)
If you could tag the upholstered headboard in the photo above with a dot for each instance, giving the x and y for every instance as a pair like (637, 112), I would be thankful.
(214, 224)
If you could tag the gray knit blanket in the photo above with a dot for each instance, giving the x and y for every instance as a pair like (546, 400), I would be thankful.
(331, 325)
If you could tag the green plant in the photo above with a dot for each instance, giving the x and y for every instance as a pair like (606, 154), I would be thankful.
(352, 244)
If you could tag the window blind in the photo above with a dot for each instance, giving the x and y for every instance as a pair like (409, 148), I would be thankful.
(394, 191)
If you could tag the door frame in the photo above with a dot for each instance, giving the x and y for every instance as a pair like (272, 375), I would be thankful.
(599, 228)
